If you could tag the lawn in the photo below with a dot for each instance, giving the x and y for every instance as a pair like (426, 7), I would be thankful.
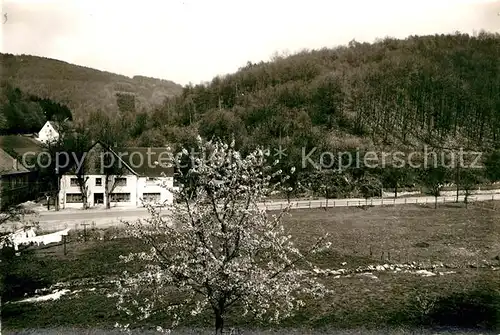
(457, 248)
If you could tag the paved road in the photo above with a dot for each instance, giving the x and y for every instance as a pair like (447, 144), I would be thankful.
(112, 217)
(378, 202)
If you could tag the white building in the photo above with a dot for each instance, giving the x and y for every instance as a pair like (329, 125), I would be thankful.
(49, 132)
(144, 176)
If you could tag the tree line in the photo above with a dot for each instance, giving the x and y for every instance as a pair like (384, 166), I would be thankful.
(22, 113)
(442, 89)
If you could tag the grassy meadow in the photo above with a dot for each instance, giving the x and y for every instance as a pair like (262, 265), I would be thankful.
(377, 252)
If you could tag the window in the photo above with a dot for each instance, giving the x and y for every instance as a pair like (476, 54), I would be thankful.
(98, 182)
(74, 198)
(121, 181)
(151, 197)
(120, 197)
(73, 182)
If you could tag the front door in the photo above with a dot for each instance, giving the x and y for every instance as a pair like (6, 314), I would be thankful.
(98, 199)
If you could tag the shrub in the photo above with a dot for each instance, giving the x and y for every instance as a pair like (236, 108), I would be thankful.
(478, 308)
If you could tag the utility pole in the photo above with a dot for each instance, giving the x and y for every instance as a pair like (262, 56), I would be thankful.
(457, 178)
(58, 188)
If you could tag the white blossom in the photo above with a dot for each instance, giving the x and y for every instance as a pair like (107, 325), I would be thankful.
(216, 248)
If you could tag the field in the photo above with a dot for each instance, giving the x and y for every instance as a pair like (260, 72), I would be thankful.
(436, 269)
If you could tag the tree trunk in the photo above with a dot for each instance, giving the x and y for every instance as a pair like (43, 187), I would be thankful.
(107, 192)
(436, 202)
(82, 185)
(219, 322)
(58, 188)
(395, 191)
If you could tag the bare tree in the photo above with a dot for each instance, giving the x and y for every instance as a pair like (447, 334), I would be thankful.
(112, 169)
(109, 133)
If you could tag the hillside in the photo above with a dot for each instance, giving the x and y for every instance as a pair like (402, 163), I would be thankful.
(441, 90)
(83, 89)
(391, 96)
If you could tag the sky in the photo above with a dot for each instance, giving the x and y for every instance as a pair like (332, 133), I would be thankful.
(195, 40)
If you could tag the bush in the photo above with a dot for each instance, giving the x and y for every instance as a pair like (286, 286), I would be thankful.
(19, 275)
(479, 308)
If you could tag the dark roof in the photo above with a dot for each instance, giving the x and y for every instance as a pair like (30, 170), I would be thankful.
(147, 161)
(21, 146)
(9, 164)
(142, 161)
(54, 125)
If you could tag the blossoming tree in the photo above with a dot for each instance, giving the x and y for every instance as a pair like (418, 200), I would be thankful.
(215, 249)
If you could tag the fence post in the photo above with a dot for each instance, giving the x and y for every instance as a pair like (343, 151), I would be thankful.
(371, 201)
(406, 200)
(321, 204)
(309, 204)
(347, 204)
(333, 203)
(64, 244)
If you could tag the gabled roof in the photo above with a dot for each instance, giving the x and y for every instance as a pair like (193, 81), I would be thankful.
(99, 148)
(140, 161)
(55, 125)
(23, 146)
(10, 165)
(148, 161)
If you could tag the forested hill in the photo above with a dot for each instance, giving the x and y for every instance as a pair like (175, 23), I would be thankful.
(83, 89)
(442, 90)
